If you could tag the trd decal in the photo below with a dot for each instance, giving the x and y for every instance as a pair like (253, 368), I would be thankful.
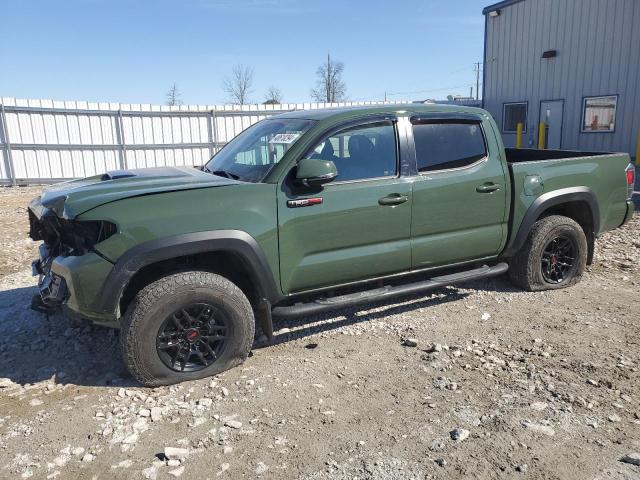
(304, 202)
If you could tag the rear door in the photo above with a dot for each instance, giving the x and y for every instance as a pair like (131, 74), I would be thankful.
(551, 114)
(459, 195)
(357, 227)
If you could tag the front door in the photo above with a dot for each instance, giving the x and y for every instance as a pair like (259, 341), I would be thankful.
(551, 114)
(459, 194)
(357, 227)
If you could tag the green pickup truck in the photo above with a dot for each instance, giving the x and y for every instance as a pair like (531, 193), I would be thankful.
(310, 211)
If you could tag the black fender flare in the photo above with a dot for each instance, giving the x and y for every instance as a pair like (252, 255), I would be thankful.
(166, 248)
(546, 201)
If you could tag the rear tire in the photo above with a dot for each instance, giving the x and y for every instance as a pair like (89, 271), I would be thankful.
(554, 255)
(186, 326)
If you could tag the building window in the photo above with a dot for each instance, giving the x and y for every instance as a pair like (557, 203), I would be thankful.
(512, 115)
(440, 146)
(599, 114)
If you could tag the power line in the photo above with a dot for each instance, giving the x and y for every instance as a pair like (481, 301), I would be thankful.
(476, 67)
(430, 90)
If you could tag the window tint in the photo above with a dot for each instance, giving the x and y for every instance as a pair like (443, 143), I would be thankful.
(447, 145)
(360, 152)
(512, 115)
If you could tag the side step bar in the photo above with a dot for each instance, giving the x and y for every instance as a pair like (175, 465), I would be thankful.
(386, 292)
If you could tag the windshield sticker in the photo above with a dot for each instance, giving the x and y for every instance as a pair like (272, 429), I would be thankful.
(285, 138)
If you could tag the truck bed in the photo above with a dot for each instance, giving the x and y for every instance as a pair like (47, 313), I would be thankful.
(601, 173)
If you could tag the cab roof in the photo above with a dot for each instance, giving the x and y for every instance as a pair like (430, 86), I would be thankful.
(344, 113)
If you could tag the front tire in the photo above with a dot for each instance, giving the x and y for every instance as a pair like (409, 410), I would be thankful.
(554, 255)
(186, 326)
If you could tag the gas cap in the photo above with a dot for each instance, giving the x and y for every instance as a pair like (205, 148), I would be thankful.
(533, 185)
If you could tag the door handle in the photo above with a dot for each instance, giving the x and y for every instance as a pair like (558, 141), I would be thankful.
(393, 199)
(488, 187)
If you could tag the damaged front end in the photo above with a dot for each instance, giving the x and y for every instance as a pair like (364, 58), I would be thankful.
(61, 238)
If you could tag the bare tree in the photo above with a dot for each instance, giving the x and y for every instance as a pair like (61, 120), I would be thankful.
(173, 96)
(238, 85)
(329, 87)
(273, 96)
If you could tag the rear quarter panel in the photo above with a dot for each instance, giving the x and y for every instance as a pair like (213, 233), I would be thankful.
(603, 174)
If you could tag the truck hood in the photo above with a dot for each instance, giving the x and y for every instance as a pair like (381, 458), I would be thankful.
(70, 199)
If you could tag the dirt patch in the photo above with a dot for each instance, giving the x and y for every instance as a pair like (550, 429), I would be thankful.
(16, 248)
(502, 384)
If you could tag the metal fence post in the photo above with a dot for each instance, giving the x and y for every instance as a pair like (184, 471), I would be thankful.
(211, 119)
(4, 131)
(215, 130)
(120, 139)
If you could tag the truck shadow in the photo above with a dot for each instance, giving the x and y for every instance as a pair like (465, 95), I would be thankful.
(54, 349)
(299, 328)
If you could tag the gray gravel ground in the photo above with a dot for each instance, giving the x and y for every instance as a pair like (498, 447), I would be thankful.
(501, 384)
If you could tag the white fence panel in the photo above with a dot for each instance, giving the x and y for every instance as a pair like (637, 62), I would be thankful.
(44, 141)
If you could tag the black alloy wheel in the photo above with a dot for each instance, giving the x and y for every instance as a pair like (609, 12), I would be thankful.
(192, 338)
(558, 259)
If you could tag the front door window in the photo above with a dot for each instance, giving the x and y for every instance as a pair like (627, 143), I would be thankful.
(361, 152)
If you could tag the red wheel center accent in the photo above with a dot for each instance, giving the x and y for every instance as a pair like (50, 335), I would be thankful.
(554, 259)
(192, 335)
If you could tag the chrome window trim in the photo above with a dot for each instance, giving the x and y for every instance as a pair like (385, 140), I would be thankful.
(361, 180)
(454, 169)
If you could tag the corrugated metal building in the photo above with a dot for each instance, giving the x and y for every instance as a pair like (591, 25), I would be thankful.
(574, 64)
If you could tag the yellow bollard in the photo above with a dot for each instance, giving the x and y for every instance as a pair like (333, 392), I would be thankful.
(638, 151)
(519, 129)
(541, 135)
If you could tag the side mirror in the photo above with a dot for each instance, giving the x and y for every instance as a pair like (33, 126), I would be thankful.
(314, 172)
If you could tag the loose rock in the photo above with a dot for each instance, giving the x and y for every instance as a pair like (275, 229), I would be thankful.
(459, 434)
(538, 428)
(632, 458)
(261, 468)
(177, 472)
(233, 424)
(175, 453)
(156, 414)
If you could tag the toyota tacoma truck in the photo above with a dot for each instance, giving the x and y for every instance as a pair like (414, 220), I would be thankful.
(310, 211)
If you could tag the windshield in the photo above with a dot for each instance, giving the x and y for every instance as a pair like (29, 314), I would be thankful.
(252, 153)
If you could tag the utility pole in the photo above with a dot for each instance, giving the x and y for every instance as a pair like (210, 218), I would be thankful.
(477, 69)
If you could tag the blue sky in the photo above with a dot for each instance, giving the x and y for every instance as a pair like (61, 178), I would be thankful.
(132, 51)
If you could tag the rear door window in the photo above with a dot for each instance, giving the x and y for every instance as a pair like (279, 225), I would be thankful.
(441, 145)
